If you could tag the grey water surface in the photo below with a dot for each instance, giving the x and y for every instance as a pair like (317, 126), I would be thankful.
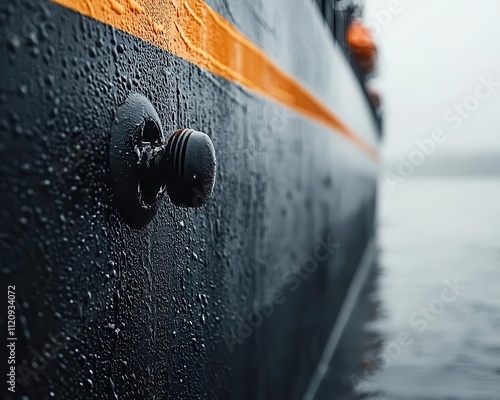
(435, 329)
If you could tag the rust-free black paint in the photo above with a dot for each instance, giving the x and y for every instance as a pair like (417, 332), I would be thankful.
(105, 310)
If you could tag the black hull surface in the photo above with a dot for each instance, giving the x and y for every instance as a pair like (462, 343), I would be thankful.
(233, 300)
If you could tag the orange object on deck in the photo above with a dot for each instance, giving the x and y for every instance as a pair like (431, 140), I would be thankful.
(360, 40)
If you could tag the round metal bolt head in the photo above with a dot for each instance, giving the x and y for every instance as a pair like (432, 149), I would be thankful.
(189, 168)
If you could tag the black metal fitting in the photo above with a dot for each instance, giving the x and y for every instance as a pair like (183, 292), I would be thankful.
(144, 165)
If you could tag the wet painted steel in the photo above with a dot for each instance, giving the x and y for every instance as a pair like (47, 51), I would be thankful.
(107, 311)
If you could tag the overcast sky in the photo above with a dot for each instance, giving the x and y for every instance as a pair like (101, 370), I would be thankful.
(433, 55)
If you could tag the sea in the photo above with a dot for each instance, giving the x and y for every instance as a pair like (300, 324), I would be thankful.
(437, 292)
(430, 315)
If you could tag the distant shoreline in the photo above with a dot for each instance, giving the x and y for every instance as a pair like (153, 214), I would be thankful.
(487, 165)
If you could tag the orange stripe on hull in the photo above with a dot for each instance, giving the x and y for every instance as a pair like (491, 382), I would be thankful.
(193, 31)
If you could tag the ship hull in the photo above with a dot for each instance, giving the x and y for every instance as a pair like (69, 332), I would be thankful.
(234, 300)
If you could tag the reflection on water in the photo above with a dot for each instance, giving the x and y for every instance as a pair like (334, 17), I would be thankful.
(436, 328)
